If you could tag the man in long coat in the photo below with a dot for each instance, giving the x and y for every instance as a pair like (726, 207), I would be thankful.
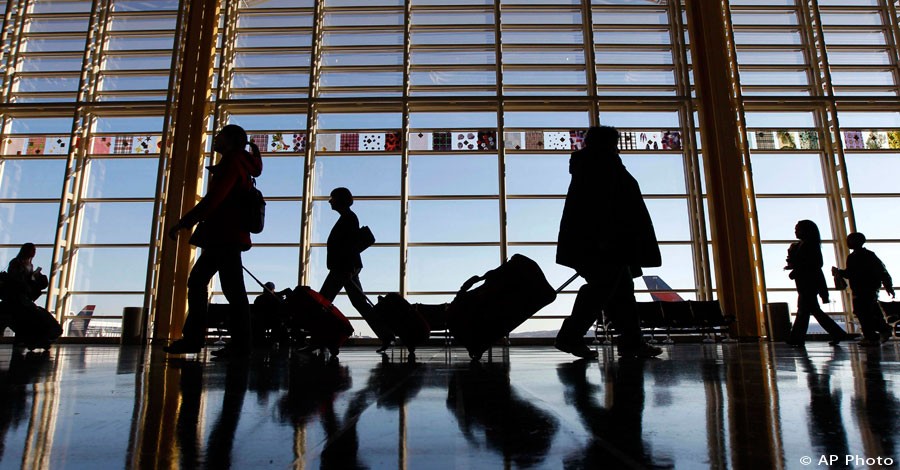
(606, 235)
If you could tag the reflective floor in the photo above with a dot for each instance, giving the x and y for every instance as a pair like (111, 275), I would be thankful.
(750, 406)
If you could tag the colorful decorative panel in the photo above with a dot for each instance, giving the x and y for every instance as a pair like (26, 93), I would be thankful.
(671, 140)
(465, 140)
(875, 140)
(514, 140)
(871, 139)
(627, 140)
(568, 140)
(102, 145)
(56, 145)
(392, 142)
(853, 140)
(50, 145)
(441, 141)
(487, 140)
(124, 145)
(372, 142)
(298, 142)
(357, 141)
(36, 146)
(894, 140)
(349, 142)
(420, 141)
(557, 140)
(576, 139)
(146, 144)
(15, 145)
(534, 140)
(280, 142)
(783, 140)
(327, 142)
(261, 141)
(649, 140)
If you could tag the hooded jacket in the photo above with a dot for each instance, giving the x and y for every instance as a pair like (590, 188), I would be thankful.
(218, 212)
(605, 220)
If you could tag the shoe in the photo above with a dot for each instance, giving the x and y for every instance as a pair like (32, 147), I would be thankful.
(385, 345)
(232, 352)
(643, 351)
(575, 348)
(181, 346)
(884, 335)
(869, 343)
(837, 341)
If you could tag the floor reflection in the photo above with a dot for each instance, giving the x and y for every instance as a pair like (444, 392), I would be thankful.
(485, 403)
(714, 406)
(616, 427)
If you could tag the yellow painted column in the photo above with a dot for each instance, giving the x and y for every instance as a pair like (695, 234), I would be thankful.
(186, 160)
(737, 281)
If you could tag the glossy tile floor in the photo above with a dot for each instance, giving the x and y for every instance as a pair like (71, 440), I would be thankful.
(738, 406)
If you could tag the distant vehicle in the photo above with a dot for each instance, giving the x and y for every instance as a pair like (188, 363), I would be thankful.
(660, 291)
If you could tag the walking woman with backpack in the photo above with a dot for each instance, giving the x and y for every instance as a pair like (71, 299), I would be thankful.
(223, 235)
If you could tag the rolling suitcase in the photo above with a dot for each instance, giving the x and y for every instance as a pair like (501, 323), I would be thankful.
(309, 312)
(403, 320)
(510, 294)
(327, 326)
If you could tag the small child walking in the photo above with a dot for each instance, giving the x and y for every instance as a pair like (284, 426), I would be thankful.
(866, 274)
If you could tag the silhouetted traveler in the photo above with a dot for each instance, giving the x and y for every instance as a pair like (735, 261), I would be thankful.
(866, 275)
(267, 316)
(606, 235)
(22, 284)
(804, 260)
(344, 264)
(26, 280)
(222, 236)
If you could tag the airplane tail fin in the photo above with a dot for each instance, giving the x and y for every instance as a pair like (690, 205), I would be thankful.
(78, 326)
(660, 291)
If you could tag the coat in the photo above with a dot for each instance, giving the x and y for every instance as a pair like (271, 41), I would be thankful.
(218, 212)
(343, 244)
(805, 262)
(605, 220)
(866, 273)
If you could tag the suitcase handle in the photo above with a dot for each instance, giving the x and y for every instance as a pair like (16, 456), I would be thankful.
(260, 283)
(474, 279)
(469, 283)
(565, 284)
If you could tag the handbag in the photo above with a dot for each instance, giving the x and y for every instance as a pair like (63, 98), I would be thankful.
(365, 238)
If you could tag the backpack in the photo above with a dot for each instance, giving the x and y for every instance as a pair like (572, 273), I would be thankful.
(254, 209)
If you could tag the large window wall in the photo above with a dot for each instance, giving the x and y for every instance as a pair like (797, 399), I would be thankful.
(450, 121)
(815, 77)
